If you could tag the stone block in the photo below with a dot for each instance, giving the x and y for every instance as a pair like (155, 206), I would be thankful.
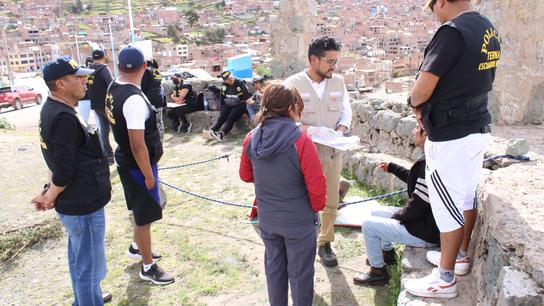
(203, 120)
(516, 288)
(364, 110)
(405, 127)
(414, 259)
(378, 104)
(517, 147)
(387, 120)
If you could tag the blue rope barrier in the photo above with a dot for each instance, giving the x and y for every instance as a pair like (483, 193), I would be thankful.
(251, 206)
(520, 158)
(205, 197)
(195, 163)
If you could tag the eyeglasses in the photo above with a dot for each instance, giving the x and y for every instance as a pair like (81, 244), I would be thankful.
(331, 62)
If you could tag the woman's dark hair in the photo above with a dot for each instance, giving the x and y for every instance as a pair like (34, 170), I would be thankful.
(319, 45)
(276, 100)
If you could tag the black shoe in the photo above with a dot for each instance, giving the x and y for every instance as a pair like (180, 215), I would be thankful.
(106, 297)
(328, 258)
(135, 254)
(185, 128)
(156, 275)
(389, 257)
(375, 277)
(217, 135)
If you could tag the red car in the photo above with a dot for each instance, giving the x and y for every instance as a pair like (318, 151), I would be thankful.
(17, 96)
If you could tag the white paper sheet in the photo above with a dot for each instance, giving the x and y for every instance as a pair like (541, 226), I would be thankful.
(331, 138)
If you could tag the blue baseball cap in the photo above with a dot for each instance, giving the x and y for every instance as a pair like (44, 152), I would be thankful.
(62, 66)
(98, 54)
(130, 58)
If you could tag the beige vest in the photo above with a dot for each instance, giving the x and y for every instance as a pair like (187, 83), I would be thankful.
(320, 112)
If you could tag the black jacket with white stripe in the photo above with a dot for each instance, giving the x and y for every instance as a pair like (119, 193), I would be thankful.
(416, 215)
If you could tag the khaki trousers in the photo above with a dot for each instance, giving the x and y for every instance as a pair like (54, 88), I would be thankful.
(331, 160)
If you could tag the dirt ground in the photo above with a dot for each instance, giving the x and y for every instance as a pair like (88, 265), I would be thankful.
(216, 256)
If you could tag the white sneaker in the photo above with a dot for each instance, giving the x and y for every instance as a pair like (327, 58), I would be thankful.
(432, 286)
(462, 265)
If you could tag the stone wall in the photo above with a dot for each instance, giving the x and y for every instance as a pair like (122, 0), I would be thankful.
(518, 94)
(385, 126)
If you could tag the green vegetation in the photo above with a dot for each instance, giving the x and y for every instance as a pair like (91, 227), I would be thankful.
(5, 125)
(262, 71)
(14, 242)
(192, 17)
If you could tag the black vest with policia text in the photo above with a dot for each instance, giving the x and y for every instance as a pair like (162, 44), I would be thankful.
(116, 96)
(89, 188)
(458, 105)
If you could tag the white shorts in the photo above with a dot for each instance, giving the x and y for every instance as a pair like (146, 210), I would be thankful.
(453, 173)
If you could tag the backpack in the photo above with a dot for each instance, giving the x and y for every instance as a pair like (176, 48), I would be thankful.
(212, 96)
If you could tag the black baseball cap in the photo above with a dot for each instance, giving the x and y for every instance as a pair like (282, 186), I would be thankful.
(98, 54)
(62, 66)
(225, 75)
(130, 58)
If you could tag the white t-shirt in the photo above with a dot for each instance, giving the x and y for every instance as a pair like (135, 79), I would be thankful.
(136, 111)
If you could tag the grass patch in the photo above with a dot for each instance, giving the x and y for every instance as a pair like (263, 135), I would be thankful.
(365, 191)
(13, 242)
(6, 125)
(395, 273)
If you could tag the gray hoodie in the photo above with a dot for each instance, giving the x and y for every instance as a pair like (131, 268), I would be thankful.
(282, 196)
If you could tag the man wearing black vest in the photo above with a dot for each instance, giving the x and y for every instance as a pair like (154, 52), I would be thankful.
(451, 99)
(135, 129)
(233, 98)
(79, 178)
(97, 84)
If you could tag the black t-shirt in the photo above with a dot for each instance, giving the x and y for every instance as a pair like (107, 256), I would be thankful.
(97, 84)
(152, 87)
(443, 51)
(234, 94)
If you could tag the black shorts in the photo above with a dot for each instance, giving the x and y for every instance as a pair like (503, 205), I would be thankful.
(144, 203)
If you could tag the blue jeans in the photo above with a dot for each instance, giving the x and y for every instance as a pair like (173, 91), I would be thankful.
(380, 231)
(86, 256)
(252, 110)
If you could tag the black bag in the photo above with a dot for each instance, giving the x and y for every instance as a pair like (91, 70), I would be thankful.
(212, 96)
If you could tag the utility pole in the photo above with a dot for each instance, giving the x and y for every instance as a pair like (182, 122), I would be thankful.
(115, 73)
(132, 35)
(10, 76)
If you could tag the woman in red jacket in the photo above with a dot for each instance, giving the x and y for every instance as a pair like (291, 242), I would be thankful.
(290, 189)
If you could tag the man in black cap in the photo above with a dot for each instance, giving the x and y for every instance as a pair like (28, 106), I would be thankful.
(97, 84)
(184, 95)
(79, 179)
(135, 129)
(234, 94)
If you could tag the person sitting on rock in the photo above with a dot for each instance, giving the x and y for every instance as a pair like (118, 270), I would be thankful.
(412, 225)
(233, 98)
(254, 104)
(184, 95)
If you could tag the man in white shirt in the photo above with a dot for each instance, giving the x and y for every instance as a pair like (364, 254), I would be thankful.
(326, 103)
(136, 131)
